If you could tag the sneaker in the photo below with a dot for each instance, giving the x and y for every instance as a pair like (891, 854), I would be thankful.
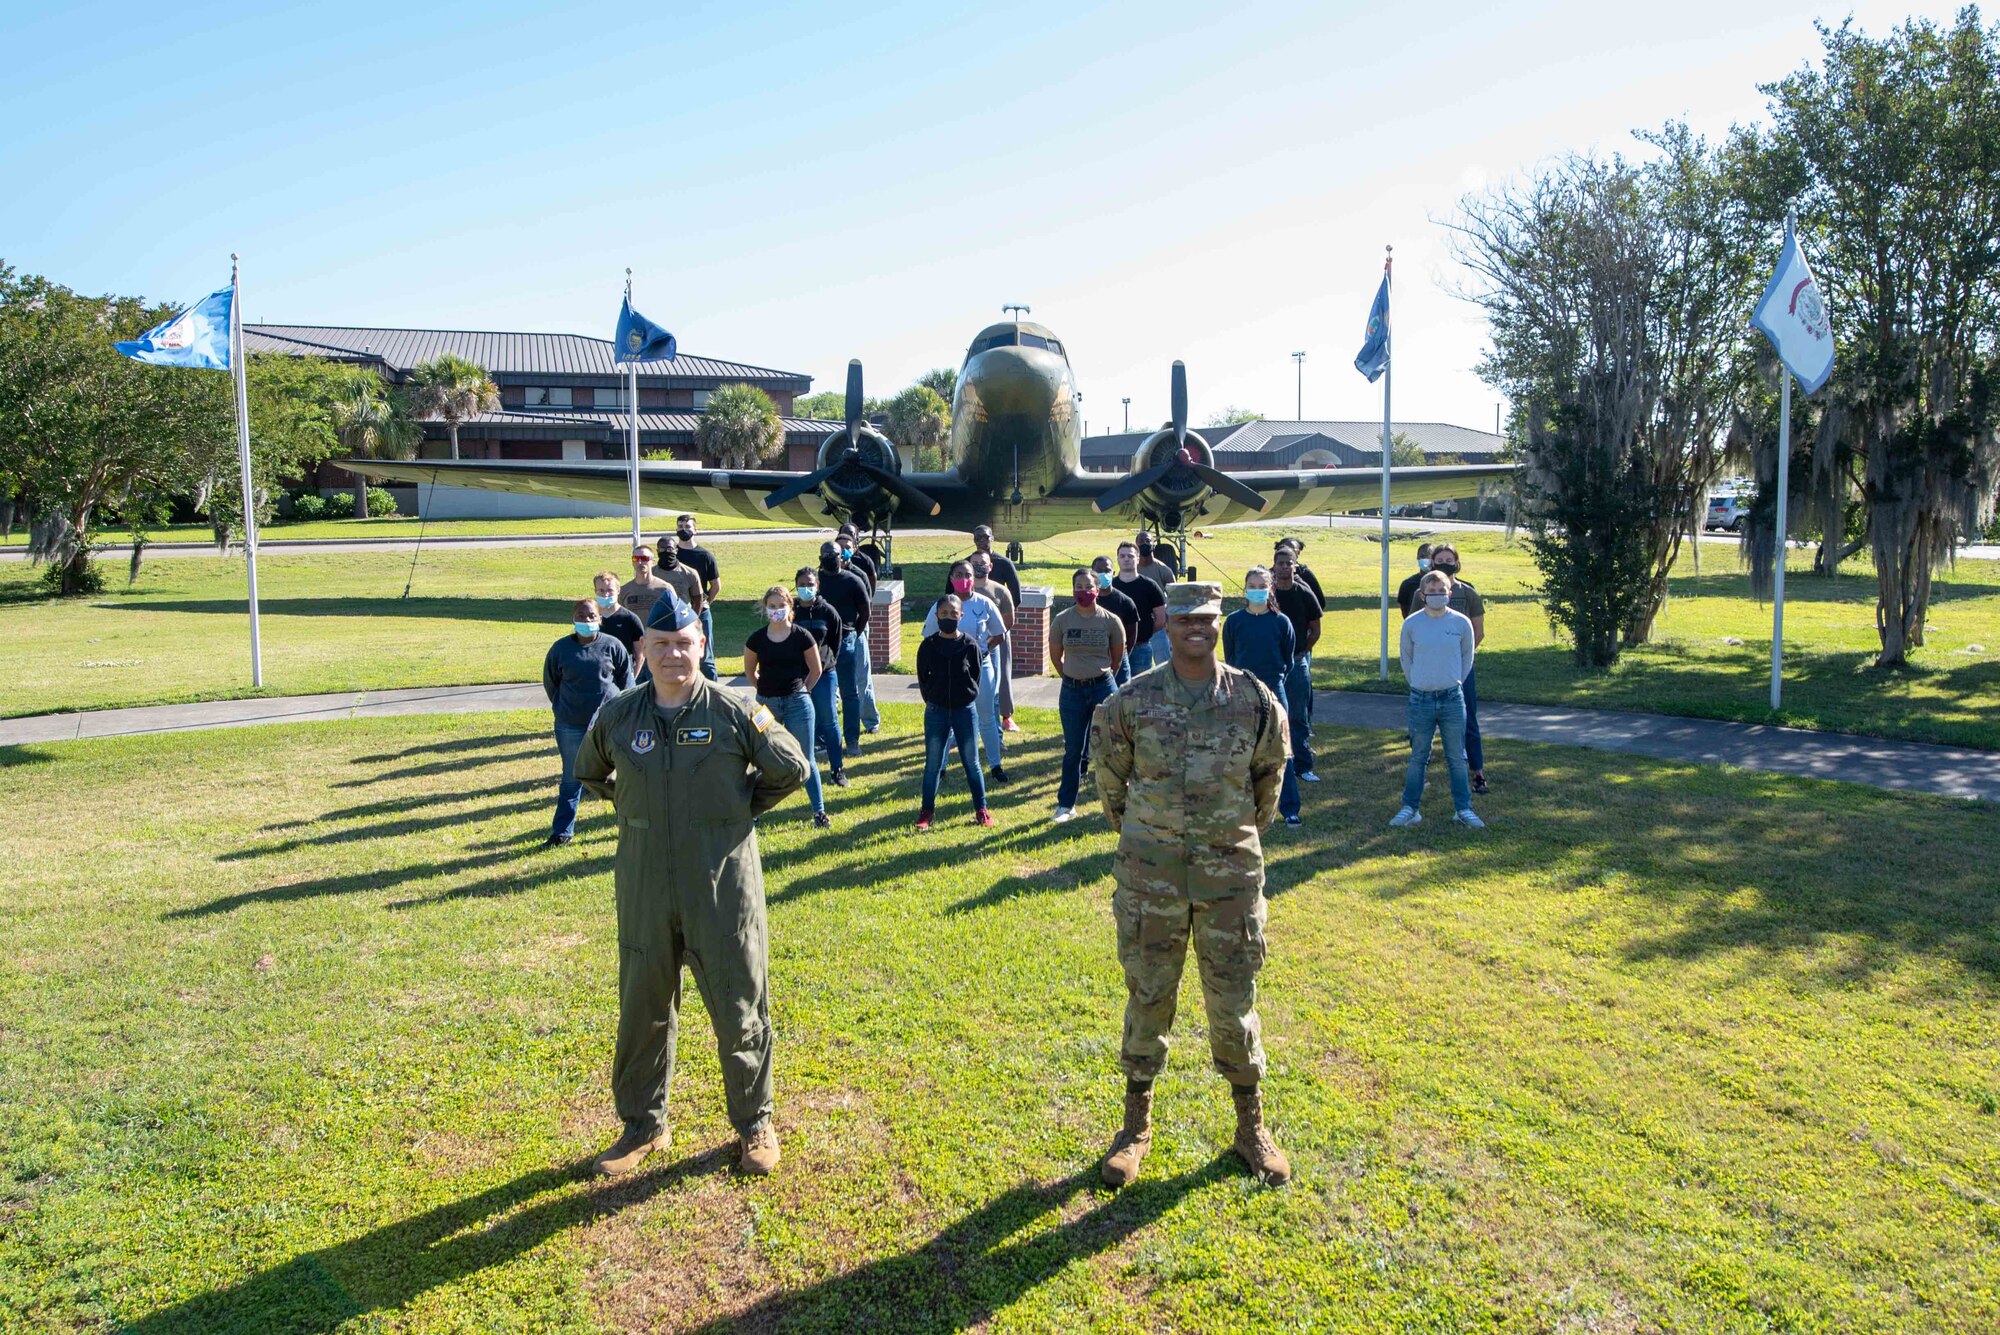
(821, 821)
(1295, 820)
(557, 840)
(871, 728)
(1479, 781)
(1407, 816)
(997, 774)
(1065, 814)
(1308, 776)
(923, 820)
(852, 748)
(983, 817)
(840, 778)
(1468, 820)
(1008, 725)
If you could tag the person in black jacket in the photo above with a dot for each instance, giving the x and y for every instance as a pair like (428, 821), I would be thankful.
(948, 676)
(849, 594)
(817, 617)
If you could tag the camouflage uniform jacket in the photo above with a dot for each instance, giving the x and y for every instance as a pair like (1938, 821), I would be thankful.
(1188, 787)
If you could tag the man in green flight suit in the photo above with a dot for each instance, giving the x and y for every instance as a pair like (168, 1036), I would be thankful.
(1190, 757)
(693, 763)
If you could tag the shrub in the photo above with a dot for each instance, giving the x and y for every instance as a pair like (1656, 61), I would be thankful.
(340, 505)
(311, 505)
(380, 503)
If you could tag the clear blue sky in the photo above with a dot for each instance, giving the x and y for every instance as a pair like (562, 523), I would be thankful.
(797, 184)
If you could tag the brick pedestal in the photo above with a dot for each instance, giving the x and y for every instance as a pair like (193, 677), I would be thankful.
(885, 625)
(1031, 630)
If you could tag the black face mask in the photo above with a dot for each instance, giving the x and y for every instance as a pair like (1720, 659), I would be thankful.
(668, 560)
(687, 539)
(1145, 551)
(1448, 568)
(947, 625)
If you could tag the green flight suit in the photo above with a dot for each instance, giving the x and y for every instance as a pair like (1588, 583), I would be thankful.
(690, 886)
(1188, 776)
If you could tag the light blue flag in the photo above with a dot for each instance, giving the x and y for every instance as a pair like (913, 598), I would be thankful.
(1793, 316)
(198, 336)
(1373, 358)
(639, 339)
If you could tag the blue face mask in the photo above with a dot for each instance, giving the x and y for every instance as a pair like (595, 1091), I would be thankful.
(1103, 579)
(1423, 563)
(806, 595)
(606, 602)
(1256, 597)
(586, 629)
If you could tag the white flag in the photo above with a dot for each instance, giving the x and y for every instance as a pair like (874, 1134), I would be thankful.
(1793, 316)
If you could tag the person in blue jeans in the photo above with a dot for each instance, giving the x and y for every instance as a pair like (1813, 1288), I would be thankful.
(1258, 640)
(1466, 599)
(1299, 605)
(948, 676)
(847, 590)
(782, 663)
(817, 617)
(1437, 651)
(1086, 645)
(981, 622)
(582, 671)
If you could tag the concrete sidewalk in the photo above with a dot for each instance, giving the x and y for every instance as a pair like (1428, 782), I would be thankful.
(1879, 763)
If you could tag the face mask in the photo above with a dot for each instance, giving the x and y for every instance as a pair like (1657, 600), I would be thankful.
(846, 550)
(668, 560)
(1086, 597)
(1256, 597)
(586, 629)
(961, 585)
(947, 625)
(777, 614)
(806, 595)
(686, 536)
(1103, 579)
(605, 602)
(1145, 551)
(1423, 563)
(1436, 599)
(1450, 568)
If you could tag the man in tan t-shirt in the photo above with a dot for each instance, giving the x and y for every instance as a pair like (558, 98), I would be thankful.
(643, 590)
(1086, 645)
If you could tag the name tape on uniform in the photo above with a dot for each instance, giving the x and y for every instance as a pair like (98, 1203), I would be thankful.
(693, 736)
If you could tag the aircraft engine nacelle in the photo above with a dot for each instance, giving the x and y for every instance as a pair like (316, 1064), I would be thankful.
(846, 483)
(1181, 489)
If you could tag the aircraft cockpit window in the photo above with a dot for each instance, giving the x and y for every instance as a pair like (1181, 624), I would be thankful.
(1005, 340)
(1033, 341)
(1055, 346)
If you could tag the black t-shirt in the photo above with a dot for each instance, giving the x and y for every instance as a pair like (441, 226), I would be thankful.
(1406, 594)
(702, 562)
(850, 595)
(1127, 611)
(820, 618)
(861, 564)
(781, 664)
(625, 627)
(1145, 596)
(1302, 573)
(1300, 608)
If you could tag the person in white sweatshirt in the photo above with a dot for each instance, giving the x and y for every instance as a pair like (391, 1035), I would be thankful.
(1438, 645)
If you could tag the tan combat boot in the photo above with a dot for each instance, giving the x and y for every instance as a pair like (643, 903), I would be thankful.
(1129, 1146)
(759, 1152)
(628, 1152)
(1253, 1139)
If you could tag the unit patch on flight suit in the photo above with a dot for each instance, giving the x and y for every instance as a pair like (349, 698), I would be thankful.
(693, 736)
(642, 741)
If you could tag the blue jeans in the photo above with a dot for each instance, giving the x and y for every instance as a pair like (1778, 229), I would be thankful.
(1288, 792)
(568, 742)
(1475, 753)
(940, 727)
(1078, 702)
(988, 704)
(826, 723)
(708, 642)
(1433, 712)
(1157, 649)
(848, 668)
(1140, 659)
(796, 713)
(871, 718)
(1299, 710)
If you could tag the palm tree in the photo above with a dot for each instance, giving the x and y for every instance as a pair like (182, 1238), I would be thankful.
(451, 390)
(740, 427)
(920, 422)
(371, 427)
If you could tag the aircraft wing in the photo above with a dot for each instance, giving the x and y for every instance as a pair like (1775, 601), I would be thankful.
(1299, 492)
(662, 486)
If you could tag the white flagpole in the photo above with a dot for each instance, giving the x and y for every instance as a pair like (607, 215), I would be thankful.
(632, 388)
(236, 360)
(1388, 375)
(1784, 505)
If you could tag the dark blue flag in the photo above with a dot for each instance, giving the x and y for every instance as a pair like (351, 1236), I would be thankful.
(639, 339)
(1373, 358)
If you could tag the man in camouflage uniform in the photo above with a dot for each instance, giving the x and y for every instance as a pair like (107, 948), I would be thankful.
(1190, 757)
(694, 762)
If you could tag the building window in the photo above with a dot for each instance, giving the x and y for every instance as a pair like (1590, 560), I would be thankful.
(542, 396)
(701, 398)
(608, 398)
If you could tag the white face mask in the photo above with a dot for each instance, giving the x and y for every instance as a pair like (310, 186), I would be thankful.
(777, 615)
(1436, 600)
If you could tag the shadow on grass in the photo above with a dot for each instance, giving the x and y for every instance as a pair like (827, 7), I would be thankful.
(387, 1268)
(455, 745)
(10, 756)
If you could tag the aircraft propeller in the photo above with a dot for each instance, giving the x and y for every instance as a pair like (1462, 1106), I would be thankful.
(850, 454)
(1144, 480)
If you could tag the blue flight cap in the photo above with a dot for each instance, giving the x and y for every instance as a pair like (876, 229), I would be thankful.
(671, 612)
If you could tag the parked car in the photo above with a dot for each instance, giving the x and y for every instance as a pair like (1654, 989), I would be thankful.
(1725, 512)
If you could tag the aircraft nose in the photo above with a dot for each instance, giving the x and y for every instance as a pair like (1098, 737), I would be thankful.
(1009, 381)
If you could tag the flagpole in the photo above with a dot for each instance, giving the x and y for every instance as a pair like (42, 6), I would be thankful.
(236, 360)
(1784, 507)
(632, 388)
(1388, 376)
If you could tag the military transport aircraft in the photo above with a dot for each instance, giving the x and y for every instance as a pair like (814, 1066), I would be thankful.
(1015, 452)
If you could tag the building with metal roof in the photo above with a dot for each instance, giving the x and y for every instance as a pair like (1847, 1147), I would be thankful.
(1248, 446)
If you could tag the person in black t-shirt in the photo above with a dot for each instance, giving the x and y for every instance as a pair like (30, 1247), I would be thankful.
(849, 594)
(620, 623)
(1300, 570)
(1301, 607)
(860, 562)
(816, 616)
(1003, 569)
(864, 566)
(1150, 600)
(1120, 604)
(782, 662)
(702, 562)
(1406, 593)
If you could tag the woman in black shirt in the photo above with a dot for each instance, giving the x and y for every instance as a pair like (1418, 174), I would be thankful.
(783, 665)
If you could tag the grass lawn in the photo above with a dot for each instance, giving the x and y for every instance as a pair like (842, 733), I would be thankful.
(338, 622)
(311, 1036)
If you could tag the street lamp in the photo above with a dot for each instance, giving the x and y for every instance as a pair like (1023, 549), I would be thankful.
(1128, 413)
(1299, 358)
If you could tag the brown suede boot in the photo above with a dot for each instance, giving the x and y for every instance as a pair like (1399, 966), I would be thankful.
(1129, 1146)
(759, 1153)
(628, 1152)
(1253, 1139)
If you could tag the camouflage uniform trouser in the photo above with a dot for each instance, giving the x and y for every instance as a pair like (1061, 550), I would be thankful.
(1228, 933)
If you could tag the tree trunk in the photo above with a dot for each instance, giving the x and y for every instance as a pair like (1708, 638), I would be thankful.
(360, 497)
(77, 578)
(451, 428)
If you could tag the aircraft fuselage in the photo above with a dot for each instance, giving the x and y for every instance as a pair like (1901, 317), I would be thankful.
(1015, 433)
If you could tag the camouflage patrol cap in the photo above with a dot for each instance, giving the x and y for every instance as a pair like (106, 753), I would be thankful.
(1194, 600)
